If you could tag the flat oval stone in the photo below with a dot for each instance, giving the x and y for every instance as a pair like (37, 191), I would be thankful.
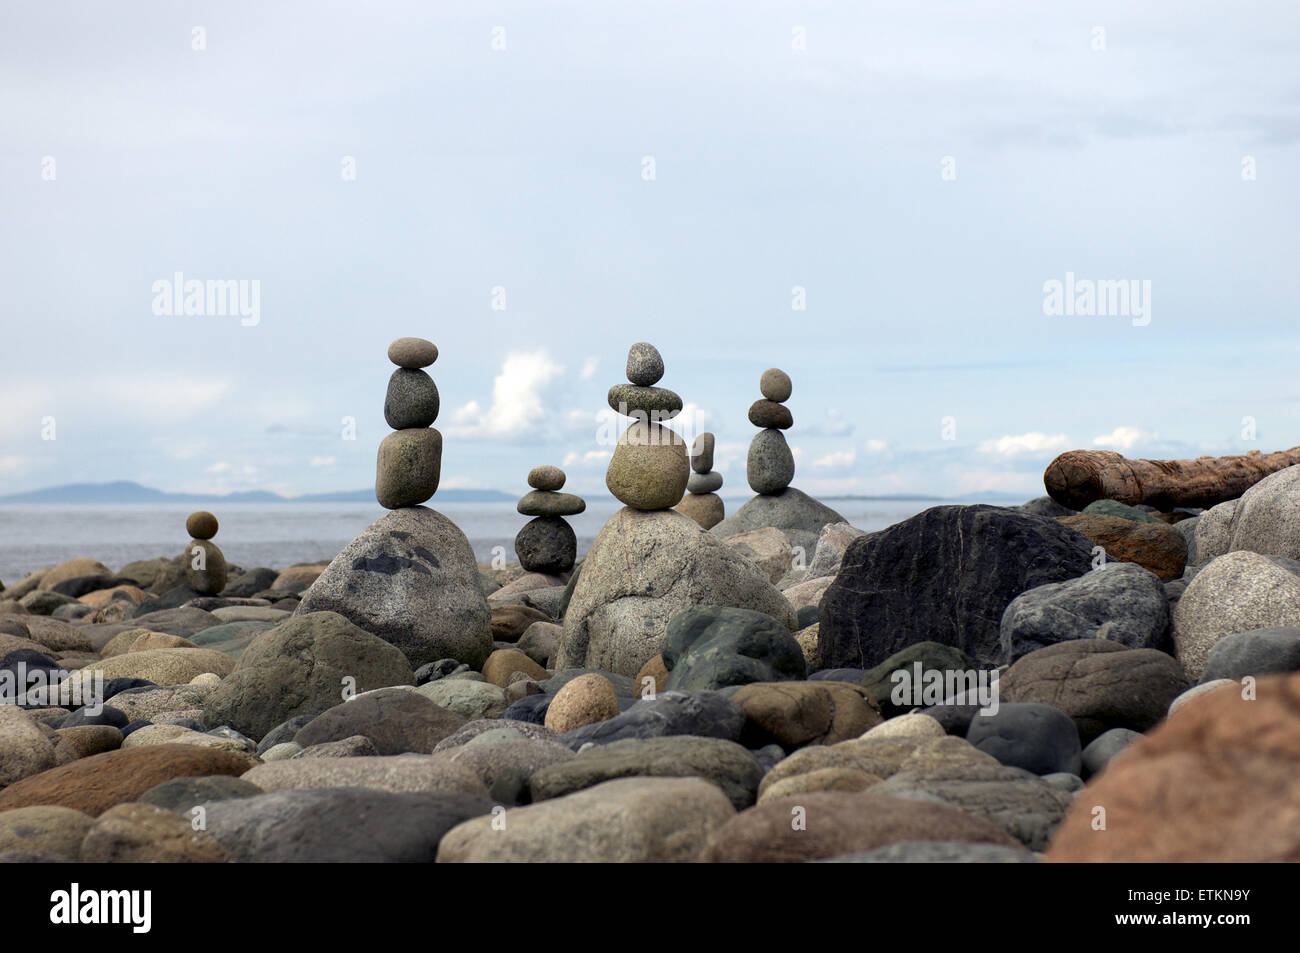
(546, 477)
(412, 352)
(702, 453)
(408, 467)
(644, 364)
(627, 399)
(704, 482)
(770, 465)
(412, 399)
(775, 384)
(768, 413)
(548, 503)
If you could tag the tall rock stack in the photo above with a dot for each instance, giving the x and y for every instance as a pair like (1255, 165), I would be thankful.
(410, 577)
(547, 543)
(649, 468)
(410, 458)
(205, 563)
(770, 469)
(650, 561)
(702, 502)
(770, 465)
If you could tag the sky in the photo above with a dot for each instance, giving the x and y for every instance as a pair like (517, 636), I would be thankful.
(875, 198)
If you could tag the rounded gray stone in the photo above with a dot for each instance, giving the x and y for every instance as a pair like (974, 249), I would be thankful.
(548, 503)
(770, 465)
(704, 482)
(408, 467)
(412, 352)
(546, 477)
(547, 544)
(412, 399)
(775, 385)
(702, 453)
(656, 403)
(645, 366)
(768, 413)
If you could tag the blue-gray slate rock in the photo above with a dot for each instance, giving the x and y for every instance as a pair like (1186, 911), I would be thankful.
(1258, 652)
(707, 714)
(945, 575)
(1122, 603)
(1037, 738)
(711, 647)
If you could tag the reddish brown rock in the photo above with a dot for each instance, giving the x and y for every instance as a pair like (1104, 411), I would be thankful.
(1216, 783)
(838, 822)
(1154, 546)
(510, 622)
(792, 714)
(93, 785)
(503, 663)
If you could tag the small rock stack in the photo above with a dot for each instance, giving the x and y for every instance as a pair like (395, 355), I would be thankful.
(770, 465)
(547, 543)
(205, 563)
(702, 502)
(649, 468)
(410, 458)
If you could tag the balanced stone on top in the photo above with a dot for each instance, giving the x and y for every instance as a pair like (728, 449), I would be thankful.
(201, 525)
(546, 477)
(702, 453)
(775, 385)
(645, 365)
(412, 352)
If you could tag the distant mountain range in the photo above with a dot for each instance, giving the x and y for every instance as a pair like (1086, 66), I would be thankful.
(126, 491)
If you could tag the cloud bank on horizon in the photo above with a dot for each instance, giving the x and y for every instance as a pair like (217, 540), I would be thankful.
(975, 235)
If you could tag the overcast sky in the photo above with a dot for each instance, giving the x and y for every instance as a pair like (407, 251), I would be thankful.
(921, 170)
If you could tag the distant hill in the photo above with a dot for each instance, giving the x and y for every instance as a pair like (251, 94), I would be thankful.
(125, 491)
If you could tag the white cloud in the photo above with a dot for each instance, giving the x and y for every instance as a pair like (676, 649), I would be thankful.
(589, 368)
(517, 401)
(220, 467)
(1034, 442)
(840, 458)
(573, 458)
(877, 446)
(1121, 437)
(322, 462)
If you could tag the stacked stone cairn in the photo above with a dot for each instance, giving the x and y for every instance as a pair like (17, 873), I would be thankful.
(547, 543)
(410, 458)
(205, 563)
(649, 468)
(702, 502)
(409, 578)
(770, 465)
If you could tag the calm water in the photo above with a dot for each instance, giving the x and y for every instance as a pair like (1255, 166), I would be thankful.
(278, 535)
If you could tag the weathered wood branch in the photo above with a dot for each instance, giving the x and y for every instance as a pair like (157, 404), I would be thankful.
(1079, 477)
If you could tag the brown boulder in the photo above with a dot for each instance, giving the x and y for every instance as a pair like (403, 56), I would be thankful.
(1216, 783)
(821, 824)
(143, 833)
(792, 714)
(1099, 684)
(503, 663)
(93, 785)
(510, 622)
(1154, 546)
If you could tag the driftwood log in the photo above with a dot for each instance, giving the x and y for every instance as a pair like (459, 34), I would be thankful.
(1080, 477)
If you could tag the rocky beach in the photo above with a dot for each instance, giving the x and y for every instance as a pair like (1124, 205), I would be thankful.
(1083, 677)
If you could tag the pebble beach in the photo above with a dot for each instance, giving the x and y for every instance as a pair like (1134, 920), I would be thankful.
(708, 680)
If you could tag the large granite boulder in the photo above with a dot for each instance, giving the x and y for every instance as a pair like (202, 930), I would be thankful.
(946, 575)
(792, 511)
(644, 568)
(301, 667)
(410, 578)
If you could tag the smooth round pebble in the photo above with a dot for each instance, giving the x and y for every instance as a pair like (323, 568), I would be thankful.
(644, 364)
(546, 477)
(201, 525)
(412, 352)
(775, 384)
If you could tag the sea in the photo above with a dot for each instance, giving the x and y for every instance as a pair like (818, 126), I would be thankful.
(33, 536)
